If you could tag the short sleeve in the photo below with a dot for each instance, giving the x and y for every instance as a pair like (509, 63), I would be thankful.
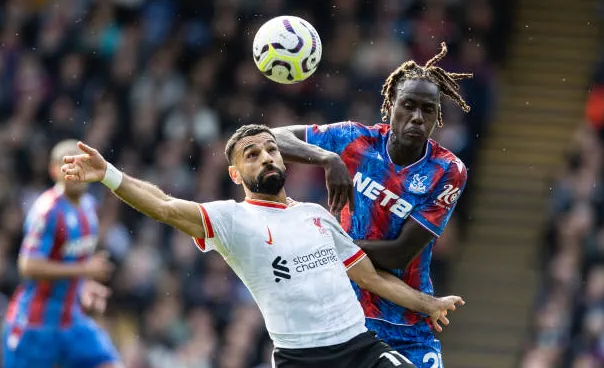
(436, 211)
(348, 251)
(217, 220)
(40, 232)
(331, 137)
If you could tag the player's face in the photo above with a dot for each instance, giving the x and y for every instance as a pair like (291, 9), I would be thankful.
(414, 111)
(259, 164)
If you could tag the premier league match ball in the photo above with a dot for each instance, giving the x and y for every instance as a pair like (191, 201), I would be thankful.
(287, 49)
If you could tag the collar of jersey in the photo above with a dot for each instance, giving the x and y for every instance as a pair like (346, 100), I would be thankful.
(270, 204)
(416, 163)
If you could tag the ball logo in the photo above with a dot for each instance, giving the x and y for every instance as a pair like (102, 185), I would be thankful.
(449, 196)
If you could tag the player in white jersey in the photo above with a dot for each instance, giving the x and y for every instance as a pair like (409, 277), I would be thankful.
(293, 257)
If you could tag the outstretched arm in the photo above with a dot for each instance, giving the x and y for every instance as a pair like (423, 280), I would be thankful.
(142, 196)
(293, 147)
(390, 287)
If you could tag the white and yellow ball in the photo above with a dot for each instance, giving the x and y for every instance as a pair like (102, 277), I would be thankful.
(287, 49)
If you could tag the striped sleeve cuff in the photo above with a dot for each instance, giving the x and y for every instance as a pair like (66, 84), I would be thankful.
(208, 229)
(200, 243)
(207, 224)
(354, 259)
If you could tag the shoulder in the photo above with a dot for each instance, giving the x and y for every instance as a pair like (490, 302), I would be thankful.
(314, 210)
(46, 204)
(447, 160)
(354, 127)
(375, 130)
(222, 205)
(309, 206)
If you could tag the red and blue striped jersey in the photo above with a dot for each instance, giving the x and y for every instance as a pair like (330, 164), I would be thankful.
(58, 230)
(387, 195)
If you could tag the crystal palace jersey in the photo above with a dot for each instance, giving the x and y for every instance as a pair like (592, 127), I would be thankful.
(387, 195)
(57, 230)
(293, 259)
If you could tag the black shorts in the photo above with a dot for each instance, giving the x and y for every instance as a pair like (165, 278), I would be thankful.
(363, 351)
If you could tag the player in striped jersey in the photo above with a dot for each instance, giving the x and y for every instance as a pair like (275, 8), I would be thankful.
(404, 187)
(45, 325)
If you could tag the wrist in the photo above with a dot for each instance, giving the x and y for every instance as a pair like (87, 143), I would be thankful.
(329, 158)
(113, 177)
(432, 306)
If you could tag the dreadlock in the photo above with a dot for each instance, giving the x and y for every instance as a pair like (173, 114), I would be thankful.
(445, 81)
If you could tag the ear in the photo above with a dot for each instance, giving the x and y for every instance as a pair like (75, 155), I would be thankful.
(235, 176)
(54, 171)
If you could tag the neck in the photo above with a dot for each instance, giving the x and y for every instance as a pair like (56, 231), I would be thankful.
(279, 197)
(404, 155)
(60, 188)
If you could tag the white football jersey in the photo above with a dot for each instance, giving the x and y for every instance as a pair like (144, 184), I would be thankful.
(293, 259)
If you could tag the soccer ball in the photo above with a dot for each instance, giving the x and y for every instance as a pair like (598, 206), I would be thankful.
(287, 49)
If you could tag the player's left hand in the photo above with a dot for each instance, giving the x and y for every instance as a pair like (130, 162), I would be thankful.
(441, 309)
(94, 297)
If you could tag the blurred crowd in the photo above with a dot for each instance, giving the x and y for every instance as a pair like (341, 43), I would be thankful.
(156, 86)
(568, 328)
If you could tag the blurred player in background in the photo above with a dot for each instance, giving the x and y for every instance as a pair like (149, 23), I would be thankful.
(45, 325)
(288, 254)
(401, 188)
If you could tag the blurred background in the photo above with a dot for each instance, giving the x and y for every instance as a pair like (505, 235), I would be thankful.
(158, 85)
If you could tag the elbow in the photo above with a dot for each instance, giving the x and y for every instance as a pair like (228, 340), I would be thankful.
(281, 132)
(397, 258)
(368, 281)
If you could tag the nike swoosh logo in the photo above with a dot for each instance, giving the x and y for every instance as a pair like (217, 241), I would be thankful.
(270, 237)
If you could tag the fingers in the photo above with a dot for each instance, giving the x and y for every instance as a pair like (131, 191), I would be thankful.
(99, 289)
(452, 302)
(437, 327)
(70, 170)
(86, 148)
(340, 200)
(69, 159)
(330, 194)
(443, 318)
(105, 292)
(100, 304)
(339, 195)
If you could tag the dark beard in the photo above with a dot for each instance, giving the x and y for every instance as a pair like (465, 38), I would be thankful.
(270, 185)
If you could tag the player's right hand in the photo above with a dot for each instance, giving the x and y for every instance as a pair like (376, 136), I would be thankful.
(98, 267)
(340, 188)
(87, 167)
(441, 308)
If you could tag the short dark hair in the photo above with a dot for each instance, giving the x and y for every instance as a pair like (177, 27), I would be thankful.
(242, 132)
